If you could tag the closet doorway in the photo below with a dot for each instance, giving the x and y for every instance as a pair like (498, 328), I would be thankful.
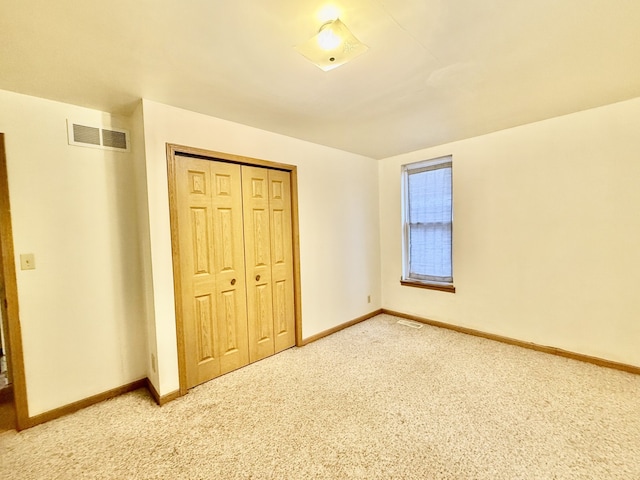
(235, 260)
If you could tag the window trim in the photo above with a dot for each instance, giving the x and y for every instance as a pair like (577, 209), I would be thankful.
(405, 279)
(442, 287)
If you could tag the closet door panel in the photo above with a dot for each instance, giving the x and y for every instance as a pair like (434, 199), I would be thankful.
(282, 259)
(255, 192)
(230, 288)
(197, 276)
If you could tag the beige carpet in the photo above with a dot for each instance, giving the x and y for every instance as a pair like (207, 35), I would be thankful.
(378, 400)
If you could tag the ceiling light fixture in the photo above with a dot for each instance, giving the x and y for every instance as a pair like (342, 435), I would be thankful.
(334, 45)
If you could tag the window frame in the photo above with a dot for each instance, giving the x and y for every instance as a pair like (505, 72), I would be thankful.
(406, 279)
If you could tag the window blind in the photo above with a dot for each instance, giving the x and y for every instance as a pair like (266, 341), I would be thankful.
(429, 222)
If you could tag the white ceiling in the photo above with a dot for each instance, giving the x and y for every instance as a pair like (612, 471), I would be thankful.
(436, 70)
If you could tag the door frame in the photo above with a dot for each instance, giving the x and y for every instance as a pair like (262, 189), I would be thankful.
(13, 334)
(174, 151)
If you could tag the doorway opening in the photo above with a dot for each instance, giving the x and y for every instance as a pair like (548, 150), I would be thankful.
(13, 397)
(4, 374)
(7, 409)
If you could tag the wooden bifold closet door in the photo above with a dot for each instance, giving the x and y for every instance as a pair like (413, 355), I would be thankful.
(236, 265)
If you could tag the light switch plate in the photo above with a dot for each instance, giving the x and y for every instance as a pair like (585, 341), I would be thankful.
(27, 261)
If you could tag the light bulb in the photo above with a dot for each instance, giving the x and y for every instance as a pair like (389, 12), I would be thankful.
(328, 39)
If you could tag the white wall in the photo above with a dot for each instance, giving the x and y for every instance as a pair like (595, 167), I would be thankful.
(338, 212)
(144, 235)
(81, 309)
(546, 233)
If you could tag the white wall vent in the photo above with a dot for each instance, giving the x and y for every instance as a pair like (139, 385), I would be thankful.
(98, 137)
(410, 323)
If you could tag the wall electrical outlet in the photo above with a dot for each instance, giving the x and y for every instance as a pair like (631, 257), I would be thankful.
(27, 261)
(368, 298)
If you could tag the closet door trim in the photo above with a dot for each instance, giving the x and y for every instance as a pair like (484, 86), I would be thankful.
(174, 151)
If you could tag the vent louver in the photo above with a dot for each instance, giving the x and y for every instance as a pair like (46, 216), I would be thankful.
(410, 323)
(98, 137)
(114, 139)
(82, 134)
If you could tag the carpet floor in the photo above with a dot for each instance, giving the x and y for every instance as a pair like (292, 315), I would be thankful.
(376, 401)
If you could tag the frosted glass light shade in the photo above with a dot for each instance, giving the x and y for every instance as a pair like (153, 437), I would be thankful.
(334, 45)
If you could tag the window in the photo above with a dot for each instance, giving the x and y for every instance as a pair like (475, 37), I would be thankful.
(427, 224)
